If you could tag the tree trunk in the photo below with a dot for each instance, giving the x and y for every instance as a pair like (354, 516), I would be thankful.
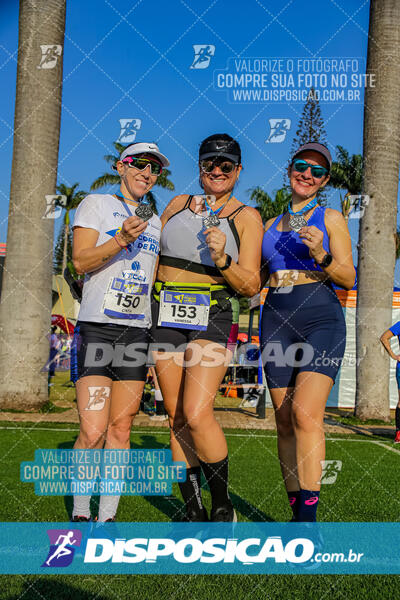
(25, 308)
(378, 225)
(65, 248)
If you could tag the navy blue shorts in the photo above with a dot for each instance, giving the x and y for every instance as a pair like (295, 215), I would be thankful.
(302, 330)
(398, 375)
(115, 351)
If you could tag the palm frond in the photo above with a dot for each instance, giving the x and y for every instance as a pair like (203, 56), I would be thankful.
(106, 179)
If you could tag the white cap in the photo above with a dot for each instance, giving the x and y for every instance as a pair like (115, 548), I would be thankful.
(145, 148)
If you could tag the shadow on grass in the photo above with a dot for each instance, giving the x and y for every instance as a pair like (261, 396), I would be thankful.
(37, 587)
(368, 431)
(170, 506)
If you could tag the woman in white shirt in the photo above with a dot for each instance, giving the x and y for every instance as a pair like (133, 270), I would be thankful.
(116, 243)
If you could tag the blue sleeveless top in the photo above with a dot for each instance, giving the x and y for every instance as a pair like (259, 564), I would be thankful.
(285, 249)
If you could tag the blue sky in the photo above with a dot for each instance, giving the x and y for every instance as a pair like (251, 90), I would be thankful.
(132, 60)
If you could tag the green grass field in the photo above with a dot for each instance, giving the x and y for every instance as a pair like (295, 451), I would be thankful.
(365, 490)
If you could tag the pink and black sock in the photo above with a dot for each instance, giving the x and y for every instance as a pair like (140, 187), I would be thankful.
(308, 504)
(294, 498)
(397, 418)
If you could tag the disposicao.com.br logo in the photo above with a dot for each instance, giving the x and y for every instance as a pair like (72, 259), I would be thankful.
(203, 548)
(191, 550)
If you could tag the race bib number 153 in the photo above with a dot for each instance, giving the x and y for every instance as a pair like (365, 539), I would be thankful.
(186, 310)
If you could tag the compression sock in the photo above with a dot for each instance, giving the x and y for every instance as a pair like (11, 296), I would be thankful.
(294, 498)
(308, 504)
(397, 418)
(108, 507)
(81, 507)
(216, 475)
(191, 490)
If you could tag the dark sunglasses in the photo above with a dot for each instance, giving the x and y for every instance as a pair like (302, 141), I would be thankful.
(316, 170)
(226, 166)
(141, 164)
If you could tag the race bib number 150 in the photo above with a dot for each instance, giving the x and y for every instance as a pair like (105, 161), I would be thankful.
(125, 300)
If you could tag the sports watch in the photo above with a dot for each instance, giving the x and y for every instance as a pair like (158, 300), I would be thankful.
(326, 261)
(227, 263)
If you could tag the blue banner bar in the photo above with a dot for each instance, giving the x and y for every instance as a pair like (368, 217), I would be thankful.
(199, 548)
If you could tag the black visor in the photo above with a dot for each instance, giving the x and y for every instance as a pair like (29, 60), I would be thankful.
(220, 148)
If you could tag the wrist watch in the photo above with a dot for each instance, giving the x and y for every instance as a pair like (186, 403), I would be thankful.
(326, 261)
(227, 264)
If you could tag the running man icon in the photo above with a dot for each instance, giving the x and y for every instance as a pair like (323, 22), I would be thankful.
(50, 54)
(279, 129)
(202, 55)
(63, 543)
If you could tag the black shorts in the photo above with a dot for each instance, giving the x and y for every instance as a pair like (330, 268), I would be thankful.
(222, 329)
(303, 330)
(114, 351)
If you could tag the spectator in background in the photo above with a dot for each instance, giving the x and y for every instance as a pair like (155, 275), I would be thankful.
(385, 337)
(54, 347)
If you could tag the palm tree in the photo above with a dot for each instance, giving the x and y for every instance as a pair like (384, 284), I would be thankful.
(376, 257)
(25, 308)
(268, 207)
(71, 201)
(114, 179)
(346, 174)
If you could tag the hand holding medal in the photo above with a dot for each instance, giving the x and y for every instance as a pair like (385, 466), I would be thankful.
(131, 228)
(216, 240)
(313, 237)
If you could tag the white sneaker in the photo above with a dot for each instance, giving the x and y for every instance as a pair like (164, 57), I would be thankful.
(250, 403)
(159, 417)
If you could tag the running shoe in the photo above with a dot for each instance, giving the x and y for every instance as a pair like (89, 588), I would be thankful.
(224, 514)
(80, 519)
(250, 403)
(193, 516)
(158, 417)
(106, 529)
(397, 437)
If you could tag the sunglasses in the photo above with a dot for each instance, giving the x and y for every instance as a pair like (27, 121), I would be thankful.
(316, 170)
(141, 163)
(226, 166)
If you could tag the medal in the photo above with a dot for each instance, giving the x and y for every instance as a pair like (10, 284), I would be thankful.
(144, 212)
(211, 221)
(296, 222)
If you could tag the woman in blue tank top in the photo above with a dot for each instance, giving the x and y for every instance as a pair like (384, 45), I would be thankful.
(303, 332)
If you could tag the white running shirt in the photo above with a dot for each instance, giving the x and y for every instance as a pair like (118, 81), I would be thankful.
(105, 213)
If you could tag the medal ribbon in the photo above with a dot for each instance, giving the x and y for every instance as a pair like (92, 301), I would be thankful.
(216, 212)
(124, 203)
(128, 210)
(303, 210)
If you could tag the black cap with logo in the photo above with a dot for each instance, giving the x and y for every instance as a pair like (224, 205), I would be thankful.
(220, 145)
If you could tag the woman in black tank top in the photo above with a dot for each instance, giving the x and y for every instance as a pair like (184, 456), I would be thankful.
(193, 316)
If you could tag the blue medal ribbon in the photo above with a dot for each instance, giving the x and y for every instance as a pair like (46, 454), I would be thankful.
(216, 212)
(303, 210)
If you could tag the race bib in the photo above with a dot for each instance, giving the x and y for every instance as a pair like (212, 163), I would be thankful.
(186, 310)
(125, 299)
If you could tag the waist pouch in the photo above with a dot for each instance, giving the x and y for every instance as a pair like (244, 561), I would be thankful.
(221, 295)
